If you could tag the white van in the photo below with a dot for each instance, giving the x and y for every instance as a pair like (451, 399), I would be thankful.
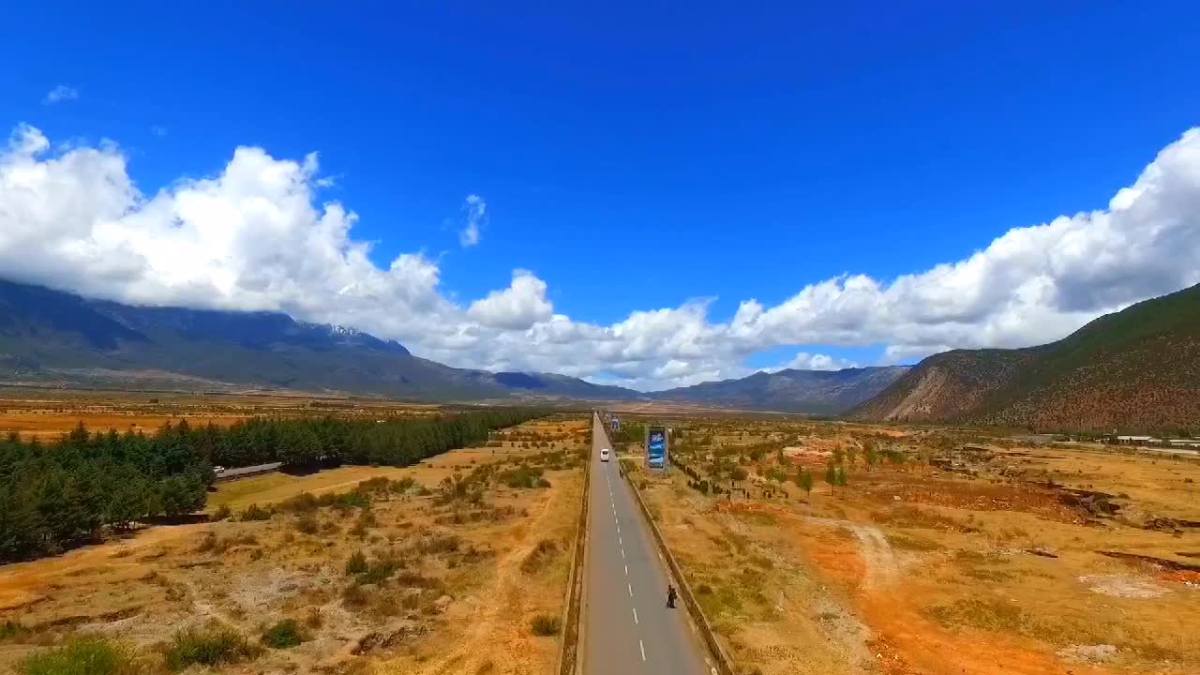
(604, 455)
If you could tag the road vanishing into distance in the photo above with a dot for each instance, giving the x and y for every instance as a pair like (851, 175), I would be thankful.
(626, 625)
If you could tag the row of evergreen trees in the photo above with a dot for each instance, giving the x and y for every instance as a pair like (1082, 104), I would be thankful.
(53, 496)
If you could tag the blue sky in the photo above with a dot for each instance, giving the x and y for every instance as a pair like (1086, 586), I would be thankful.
(635, 156)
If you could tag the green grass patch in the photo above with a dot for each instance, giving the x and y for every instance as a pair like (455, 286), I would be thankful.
(211, 646)
(83, 656)
(284, 634)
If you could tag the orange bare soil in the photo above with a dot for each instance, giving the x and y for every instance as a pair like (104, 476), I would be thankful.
(1007, 559)
(453, 579)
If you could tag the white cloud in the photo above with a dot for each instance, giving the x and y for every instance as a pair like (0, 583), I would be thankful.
(517, 307)
(61, 94)
(258, 235)
(811, 361)
(476, 212)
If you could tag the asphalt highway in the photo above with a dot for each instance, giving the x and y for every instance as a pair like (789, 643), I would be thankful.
(627, 626)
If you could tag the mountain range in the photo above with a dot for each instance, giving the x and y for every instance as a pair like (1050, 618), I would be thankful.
(825, 392)
(56, 338)
(1133, 370)
(1137, 369)
(52, 337)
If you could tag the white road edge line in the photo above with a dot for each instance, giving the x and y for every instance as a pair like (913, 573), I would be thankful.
(643, 648)
(635, 619)
(630, 586)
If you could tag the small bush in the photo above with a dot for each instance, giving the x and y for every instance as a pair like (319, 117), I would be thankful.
(523, 477)
(354, 596)
(378, 572)
(539, 556)
(284, 634)
(82, 656)
(314, 619)
(255, 512)
(356, 564)
(307, 524)
(210, 646)
(12, 629)
(223, 512)
(304, 502)
(546, 625)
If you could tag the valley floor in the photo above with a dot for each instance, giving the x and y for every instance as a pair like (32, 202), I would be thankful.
(459, 555)
(961, 554)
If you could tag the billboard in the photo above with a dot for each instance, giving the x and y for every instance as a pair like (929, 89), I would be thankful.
(656, 448)
(614, 423)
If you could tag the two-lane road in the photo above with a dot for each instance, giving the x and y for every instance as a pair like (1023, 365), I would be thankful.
(627, 627)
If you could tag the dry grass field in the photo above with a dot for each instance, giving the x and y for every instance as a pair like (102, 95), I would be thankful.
(48, 414)
(945, 551)
(438, 568)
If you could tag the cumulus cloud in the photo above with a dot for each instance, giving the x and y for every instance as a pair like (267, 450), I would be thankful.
(811, 361)
(517, 307)
(259, 235)
(475, 209)
(60, 94)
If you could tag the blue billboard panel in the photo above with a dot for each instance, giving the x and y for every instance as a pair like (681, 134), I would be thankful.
(656, 448)
(615, 424)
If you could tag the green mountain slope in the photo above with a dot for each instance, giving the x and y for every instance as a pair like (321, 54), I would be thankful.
(1136, 370)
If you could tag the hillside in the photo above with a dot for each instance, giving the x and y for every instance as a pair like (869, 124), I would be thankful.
(809, 391)
(57, 338)
(1134, 370)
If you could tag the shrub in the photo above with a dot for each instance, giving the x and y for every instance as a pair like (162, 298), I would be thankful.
(356, 564)
(539, 556)
(546, 625)
(11, 629)
(211, 646)
(255, 512)
(378, 572)
(304, 502)
(211, 544)
(223, 512)
(365, 520)
(284, 634)
(314, 619)
(307, 524)
(354, 596)
(82, 656)
(522, 476)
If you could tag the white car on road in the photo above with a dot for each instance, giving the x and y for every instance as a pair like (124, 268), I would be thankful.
(604, 452)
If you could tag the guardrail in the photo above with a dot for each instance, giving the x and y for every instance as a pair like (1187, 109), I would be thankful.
(568, 655)
(723, 664)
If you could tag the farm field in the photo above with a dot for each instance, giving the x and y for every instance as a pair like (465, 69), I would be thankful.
(436, 568)
(931, 550)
